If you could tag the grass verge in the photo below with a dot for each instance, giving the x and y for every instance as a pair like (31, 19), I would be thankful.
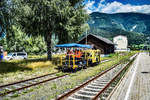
(52, 89)
(15, 70)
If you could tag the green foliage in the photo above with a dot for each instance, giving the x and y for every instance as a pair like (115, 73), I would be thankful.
(3, 14)
(19, 41)
(63, 18)
(6, 16)
(140, 47)
(133, 25)
(47, 17)
(133, 22)
(133, 37)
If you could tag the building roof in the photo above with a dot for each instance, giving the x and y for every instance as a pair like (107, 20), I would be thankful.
(100, 38)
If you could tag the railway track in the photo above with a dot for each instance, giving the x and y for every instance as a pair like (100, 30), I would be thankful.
(98, 87)
(20, 85)
(11, 88)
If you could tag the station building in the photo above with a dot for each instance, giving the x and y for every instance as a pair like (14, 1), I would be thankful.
(121, 43)
(105, 45)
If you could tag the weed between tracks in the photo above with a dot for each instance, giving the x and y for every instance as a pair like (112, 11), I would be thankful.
(52, 89)
(114, 84)
(16, 70)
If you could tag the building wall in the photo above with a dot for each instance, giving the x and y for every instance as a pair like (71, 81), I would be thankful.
(98, 44)
(121, 42)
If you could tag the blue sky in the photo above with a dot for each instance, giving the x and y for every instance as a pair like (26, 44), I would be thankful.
(116, 6)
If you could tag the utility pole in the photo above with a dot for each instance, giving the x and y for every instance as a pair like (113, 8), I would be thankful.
(86, 36)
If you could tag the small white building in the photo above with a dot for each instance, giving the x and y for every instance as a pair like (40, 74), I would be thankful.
(121, 43)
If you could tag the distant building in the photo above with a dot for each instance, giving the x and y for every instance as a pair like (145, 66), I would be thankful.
(106, 46)
(121, 43)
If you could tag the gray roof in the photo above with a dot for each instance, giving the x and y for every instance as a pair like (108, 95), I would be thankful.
(100, 38)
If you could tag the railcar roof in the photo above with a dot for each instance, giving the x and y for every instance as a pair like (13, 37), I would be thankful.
(74, 45)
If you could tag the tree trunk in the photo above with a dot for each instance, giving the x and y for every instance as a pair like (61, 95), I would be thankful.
(48, 42)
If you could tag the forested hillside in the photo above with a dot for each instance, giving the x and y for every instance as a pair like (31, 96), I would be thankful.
(136, 26)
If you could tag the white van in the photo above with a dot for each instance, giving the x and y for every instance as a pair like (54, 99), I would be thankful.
(16, 56)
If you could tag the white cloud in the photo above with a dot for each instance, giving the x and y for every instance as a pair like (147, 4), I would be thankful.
(89, 7)
(102, 1)
(116, 7)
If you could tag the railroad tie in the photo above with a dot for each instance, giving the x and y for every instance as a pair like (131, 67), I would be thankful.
(81, 96)
(72, 98)
(87, 93)
(91, 90)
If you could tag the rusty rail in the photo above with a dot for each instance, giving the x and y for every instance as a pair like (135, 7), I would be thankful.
(97, 96)
(66, 95)
(14, 90)
(27, 80)
(84, 84)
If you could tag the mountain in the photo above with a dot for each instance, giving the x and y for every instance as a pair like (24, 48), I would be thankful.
(136, 26)
(136, 22)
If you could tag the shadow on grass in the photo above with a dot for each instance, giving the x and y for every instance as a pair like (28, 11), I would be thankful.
(6, 67)
(18, 65)
(32, 60)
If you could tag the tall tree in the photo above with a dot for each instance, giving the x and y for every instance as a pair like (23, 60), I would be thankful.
(2, 17)
(70, 30)
(6, 16)
(47, 17)
(19, 41)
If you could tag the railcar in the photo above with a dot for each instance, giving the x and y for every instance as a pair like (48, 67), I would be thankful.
(77, 56)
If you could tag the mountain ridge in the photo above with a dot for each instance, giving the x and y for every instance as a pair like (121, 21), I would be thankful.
(132, 21)
(136, 26)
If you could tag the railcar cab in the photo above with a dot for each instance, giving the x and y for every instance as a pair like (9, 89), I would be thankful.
(77, 56)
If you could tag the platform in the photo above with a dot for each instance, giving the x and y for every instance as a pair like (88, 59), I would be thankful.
(136, 84)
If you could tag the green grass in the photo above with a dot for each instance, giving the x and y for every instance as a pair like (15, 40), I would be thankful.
(6, 67)
(23, 69)
(37, 56)
(23, 65)
(81, 76)
(53, 89)
(16, 70)
(109, 57)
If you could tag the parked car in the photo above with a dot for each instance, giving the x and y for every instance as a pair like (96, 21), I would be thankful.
(16, 56)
